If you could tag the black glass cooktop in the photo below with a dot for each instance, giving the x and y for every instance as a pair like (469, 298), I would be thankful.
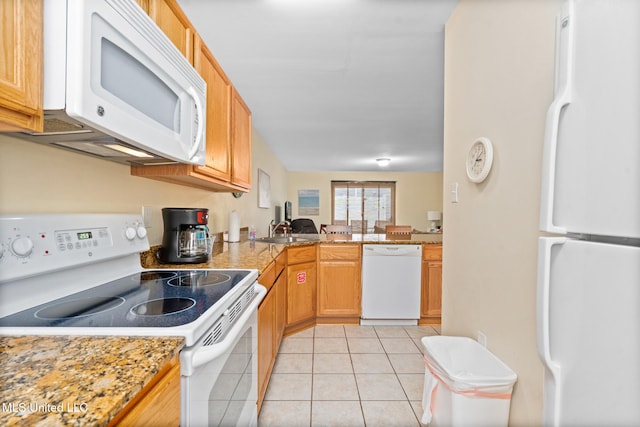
(151, 298)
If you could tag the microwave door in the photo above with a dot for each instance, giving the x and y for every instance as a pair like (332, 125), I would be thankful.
(130, 82)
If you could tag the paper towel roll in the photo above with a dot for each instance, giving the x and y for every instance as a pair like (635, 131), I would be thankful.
(234, 226)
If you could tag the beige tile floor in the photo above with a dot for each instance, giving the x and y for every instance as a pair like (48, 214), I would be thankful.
(351, 375)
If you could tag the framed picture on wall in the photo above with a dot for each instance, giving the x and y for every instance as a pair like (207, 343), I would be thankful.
(264, 189)
(309, 202)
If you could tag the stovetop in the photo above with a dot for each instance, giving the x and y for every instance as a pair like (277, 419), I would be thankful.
(150, 298)
(80, 274)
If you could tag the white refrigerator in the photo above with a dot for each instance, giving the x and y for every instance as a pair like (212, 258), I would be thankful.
(588, 292)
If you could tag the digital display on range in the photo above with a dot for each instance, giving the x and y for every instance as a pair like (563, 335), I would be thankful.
(84, 235)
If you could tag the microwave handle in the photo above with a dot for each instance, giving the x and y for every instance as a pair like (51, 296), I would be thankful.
(200, 131)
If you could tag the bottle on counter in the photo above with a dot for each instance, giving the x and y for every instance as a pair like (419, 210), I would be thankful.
(252, 233)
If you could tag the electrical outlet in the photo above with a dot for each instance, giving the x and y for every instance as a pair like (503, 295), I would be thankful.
(147, 216)
(482, 339)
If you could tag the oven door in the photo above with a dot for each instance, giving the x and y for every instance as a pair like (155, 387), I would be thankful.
(219, 381)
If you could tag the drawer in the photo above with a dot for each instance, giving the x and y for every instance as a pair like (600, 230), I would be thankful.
(432, 252)
(340, 251)
(301, 254)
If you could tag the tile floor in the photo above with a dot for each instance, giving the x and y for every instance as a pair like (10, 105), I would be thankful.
(351, 375)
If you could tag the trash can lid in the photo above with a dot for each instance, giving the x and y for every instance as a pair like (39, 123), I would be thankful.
(465, 363)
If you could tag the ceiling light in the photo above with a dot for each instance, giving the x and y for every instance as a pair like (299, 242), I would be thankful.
(383, 161)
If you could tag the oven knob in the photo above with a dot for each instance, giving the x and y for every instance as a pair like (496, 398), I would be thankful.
(141, 232)
(22, 246)
(130, 233)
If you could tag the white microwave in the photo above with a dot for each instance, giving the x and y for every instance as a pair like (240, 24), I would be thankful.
(117, 88)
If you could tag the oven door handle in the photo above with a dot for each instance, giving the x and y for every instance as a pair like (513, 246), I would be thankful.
(205, 355)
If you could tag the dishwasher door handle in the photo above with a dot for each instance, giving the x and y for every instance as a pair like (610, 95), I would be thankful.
(392, 250)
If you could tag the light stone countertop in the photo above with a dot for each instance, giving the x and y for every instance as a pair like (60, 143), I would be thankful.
(258, 255)
(76, 381)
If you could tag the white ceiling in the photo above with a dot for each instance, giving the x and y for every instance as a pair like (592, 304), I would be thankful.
(335, 84)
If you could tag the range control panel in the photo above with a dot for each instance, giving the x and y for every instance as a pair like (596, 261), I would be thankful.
(33, 244)
(70, 240)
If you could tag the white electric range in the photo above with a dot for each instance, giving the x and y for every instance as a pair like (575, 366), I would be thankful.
(80, 274)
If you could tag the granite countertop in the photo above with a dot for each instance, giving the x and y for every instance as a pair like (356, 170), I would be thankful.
(258, 255)
(76, 381)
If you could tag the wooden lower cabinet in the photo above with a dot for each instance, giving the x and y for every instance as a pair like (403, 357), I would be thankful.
(301, 291)
(266, 335)
(271, 321)
(158, 404)
(301, 287)
(431, 297)
(339, 283)
(281, 309)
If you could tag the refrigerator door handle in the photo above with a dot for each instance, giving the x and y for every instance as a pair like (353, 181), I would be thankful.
(564, 76)
(545, 247)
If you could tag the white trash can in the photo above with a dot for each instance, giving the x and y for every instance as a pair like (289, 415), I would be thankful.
(464, 384)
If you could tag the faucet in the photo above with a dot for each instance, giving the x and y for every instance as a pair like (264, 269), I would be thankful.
(273, 227)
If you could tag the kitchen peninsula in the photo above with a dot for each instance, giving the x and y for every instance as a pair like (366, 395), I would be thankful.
(258, 255)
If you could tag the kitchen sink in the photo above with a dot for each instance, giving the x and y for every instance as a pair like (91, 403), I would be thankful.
(284, 240)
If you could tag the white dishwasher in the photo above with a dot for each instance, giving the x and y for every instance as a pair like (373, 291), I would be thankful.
(391, 277)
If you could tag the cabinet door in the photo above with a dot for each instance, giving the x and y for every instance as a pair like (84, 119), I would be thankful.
(266, 335)
(431, 305)
(240, 142)
(301, 292)
(218, 164)
(339, 288)
(21, 65)
(281, 309)
(157, 404)
(168, 15)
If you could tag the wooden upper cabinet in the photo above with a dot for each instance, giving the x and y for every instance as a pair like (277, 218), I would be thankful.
(168, 15)
(240, 142)
(218, 131)
(21, 60)
(228, 123)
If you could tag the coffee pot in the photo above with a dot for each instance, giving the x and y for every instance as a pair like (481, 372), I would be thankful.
(186, 236)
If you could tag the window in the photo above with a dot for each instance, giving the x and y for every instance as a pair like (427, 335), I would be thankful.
(366, 205)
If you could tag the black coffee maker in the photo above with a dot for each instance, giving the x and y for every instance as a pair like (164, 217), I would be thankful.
(186, 236)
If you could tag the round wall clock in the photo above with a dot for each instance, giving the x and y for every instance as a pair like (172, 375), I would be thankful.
(479, 160)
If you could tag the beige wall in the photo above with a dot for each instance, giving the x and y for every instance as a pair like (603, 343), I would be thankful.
(416, 193)
(41, 179)
(498, 84)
